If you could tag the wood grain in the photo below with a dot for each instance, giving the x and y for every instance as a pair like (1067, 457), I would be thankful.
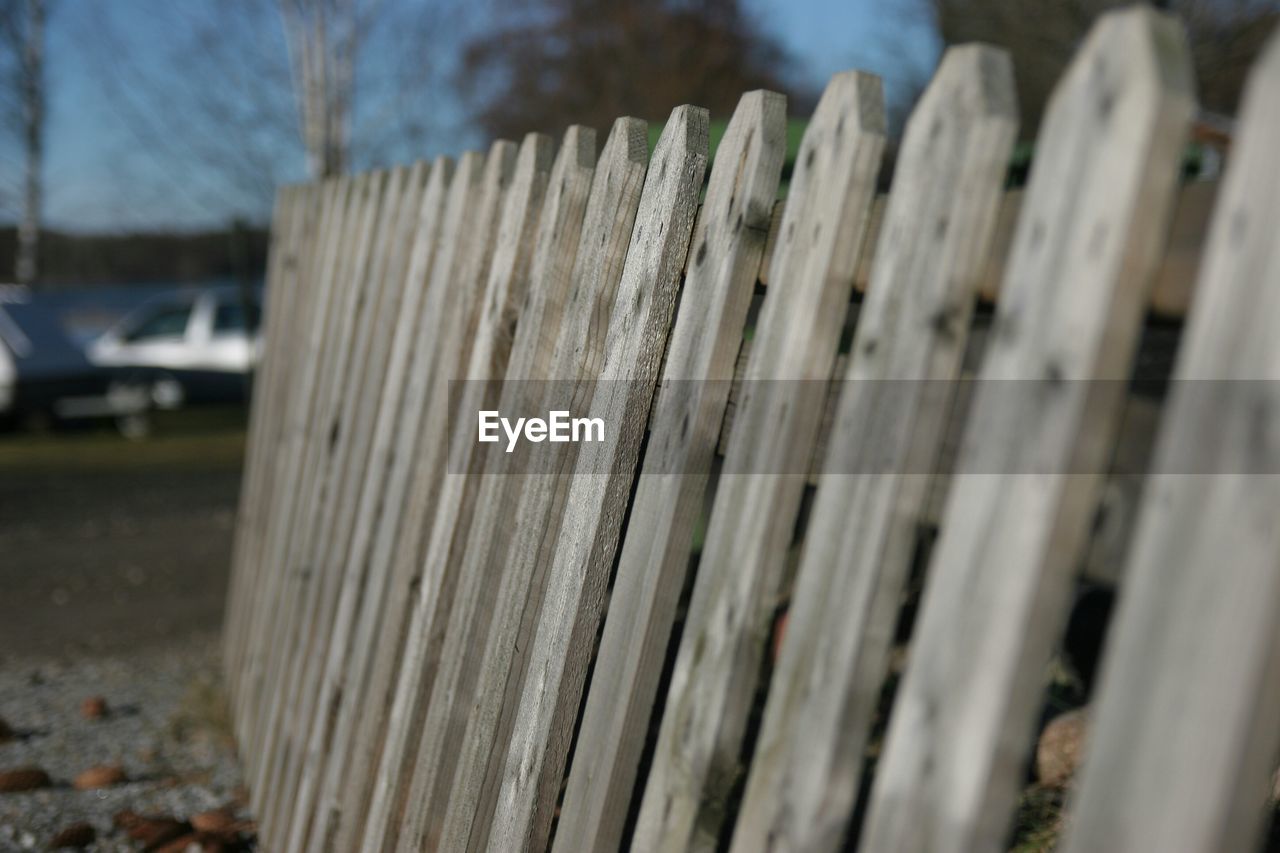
(695, 762)
(471, 712)
(1182, 748)
(724, 257)
(893, 407)
(534, 324)
(1040, 430)
(578, 569)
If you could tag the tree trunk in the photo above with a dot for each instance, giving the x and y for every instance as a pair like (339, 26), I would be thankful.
(27, 264)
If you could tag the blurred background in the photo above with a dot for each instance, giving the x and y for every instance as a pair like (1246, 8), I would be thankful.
(141, 144)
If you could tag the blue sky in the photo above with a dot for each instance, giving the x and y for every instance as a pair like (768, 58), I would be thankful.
(102, 173)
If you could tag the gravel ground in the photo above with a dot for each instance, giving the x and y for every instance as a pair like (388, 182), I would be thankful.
(114, 559)
(165, 726)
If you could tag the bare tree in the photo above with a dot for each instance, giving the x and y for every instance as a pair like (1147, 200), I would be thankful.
(322, 39)
(22, 32)
(589, 61)
(241, 96)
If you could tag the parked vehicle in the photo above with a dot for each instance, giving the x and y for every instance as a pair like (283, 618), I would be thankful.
(187, 346)
(44, 376)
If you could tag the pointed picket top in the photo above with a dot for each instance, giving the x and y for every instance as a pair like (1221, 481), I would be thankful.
(695, 762)
(940, 218)
(1183, 738)
(555, 247)
(1088, 242)
(368, 631)
(725, 250)
(833, 152)
(619, 176)
(555, 253)
(326, 750)
(516, 231)
(578, 571)
(472, 699)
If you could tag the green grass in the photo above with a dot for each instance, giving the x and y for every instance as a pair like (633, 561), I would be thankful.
(198, 439)
(795, 132)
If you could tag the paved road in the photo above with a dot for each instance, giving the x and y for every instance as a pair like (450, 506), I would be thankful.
(109, 546)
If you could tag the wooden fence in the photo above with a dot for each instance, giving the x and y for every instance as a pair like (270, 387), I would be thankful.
(423, 655)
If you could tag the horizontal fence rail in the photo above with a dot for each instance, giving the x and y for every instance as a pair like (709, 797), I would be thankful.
(804, 591)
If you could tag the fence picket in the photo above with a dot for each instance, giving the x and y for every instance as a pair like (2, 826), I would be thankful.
(590, 525)
(333, 447)
(449, 780)
(1182, 750)
(295, 613)
(1083, 258)
(380, 625)
(379, 413)
(726, 248)
(555, 247)
(696, 758)
(413, 620)
(350, 438)
(282, 299)
(907, 349)
(272, 630)
(267, 580)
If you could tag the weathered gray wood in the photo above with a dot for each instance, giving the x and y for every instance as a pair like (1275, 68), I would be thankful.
(296, 441)
(401, 405)
(273, 744)
(1184, 731)
(295, 447)
(578, 568)
(290, 219)
(379, 412)
(724, 260)
(393, 750)
(368, 667)
(292, 639)
(328, 195)
(474, 236)
(403, 545)
(1042, 425)
(349, 438)
(342, 442)
(285, 300)
(695, 761)
(906, 353)
(466, 719)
